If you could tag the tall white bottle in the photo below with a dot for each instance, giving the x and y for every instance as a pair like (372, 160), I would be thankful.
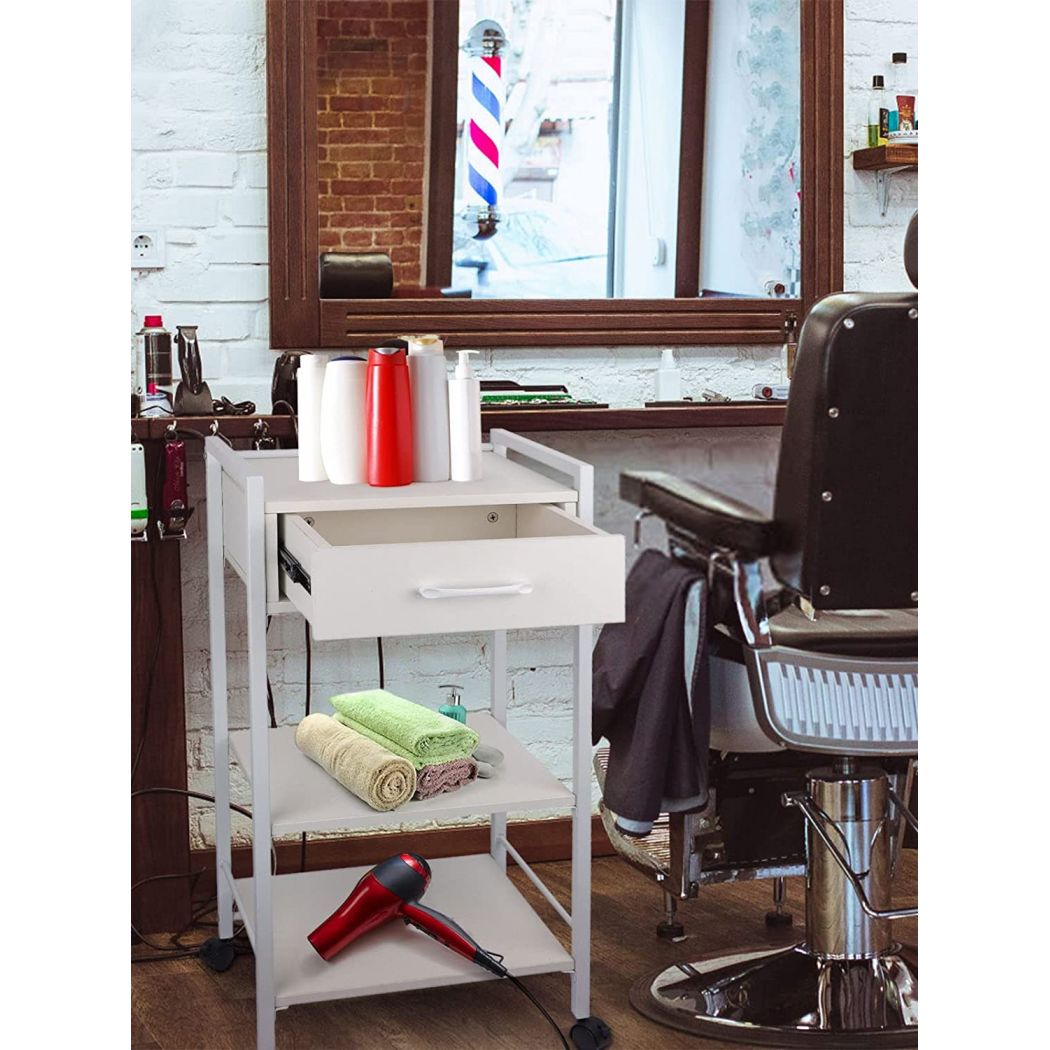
(310, 383)
(464, 421)
(343, 421)
(428, 375)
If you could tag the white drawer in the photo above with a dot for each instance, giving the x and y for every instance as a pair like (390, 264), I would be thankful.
(382, 572)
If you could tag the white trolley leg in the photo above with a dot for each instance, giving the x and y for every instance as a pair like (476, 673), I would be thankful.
(220, 719)
(498, 706)
(265, 1006)
(581, 824)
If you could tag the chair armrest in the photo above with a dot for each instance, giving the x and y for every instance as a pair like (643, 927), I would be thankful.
(716, 520)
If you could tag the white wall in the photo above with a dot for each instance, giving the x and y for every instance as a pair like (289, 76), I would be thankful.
(198, 169)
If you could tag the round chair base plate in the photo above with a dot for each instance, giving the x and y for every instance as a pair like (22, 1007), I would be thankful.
(788, 997)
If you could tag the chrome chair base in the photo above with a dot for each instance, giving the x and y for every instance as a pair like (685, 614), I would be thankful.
(788, 997)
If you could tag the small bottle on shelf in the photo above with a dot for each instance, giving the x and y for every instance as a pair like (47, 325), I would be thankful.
(898, 75)
(878, 112)
(668, 377)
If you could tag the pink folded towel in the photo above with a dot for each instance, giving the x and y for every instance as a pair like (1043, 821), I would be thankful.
(444, 776)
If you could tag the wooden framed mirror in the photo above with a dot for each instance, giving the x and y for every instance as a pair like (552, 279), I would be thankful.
(343, 178)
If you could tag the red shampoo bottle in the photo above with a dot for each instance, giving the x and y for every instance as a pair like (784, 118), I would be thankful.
(388, 409)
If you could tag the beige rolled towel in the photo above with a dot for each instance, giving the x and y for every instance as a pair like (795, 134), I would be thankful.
(373, 774)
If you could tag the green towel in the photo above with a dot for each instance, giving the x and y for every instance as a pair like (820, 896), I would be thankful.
(410, 730)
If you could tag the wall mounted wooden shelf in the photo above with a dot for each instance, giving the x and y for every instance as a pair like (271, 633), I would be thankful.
(886, 161)
(688, 417)
(874, 158)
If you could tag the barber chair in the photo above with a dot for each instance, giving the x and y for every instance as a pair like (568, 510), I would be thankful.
(814, 666)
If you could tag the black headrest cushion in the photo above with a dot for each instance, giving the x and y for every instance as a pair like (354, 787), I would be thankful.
(911, 250)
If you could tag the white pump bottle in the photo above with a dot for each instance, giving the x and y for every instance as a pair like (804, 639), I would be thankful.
(464, 417)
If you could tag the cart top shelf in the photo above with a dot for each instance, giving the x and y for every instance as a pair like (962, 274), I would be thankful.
(503, 482)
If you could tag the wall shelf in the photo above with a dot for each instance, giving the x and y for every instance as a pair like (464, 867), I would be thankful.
(886, 161)
(687, 417)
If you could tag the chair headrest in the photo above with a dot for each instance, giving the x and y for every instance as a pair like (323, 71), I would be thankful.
(911, 250)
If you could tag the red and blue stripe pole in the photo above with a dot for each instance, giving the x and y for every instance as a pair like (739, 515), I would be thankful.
(485, 132)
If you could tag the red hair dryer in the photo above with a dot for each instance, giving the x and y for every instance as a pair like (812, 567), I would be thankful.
(391, 890)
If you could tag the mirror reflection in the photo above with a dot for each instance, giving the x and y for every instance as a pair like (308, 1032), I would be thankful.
(569, 169)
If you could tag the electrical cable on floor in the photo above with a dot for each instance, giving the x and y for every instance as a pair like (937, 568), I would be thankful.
(379, 653)
(176, 949)
(269, 688)
(539, 1006)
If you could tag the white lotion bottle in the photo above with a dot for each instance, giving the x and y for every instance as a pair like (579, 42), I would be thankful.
(428, 374)
(668, 377)
(464, 419)
(309, 384)
(343, 421)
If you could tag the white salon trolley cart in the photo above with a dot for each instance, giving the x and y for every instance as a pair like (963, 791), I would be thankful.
(516, 549)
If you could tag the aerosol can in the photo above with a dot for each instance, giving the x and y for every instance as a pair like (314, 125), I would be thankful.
(154, 350)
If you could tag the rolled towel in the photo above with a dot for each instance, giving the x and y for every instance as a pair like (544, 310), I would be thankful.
(489, 759)
(410, 730)
(377, 777)
(444, 776)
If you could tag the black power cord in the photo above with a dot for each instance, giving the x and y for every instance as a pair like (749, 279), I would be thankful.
(539, 1006)
(379, 654)
(175, 949)
(159, 612)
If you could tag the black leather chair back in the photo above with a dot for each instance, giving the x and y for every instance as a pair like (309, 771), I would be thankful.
(846, 504)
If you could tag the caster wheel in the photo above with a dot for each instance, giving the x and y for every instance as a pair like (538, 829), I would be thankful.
(670, 931)
(217, 954)
(592, 1033)
(778, 919)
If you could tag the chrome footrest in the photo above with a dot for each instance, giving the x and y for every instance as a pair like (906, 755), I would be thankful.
(788, 997)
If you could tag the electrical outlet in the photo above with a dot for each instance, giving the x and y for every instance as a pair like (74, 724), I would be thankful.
(147, 248)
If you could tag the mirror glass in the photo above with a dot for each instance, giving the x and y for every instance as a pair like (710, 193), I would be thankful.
(567, 153)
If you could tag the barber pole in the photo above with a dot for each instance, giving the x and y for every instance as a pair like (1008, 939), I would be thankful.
(486, 133)
(484, 191)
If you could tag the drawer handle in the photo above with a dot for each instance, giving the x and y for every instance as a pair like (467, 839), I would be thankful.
(475, 592)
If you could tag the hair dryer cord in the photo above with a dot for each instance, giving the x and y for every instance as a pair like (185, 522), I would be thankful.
(539, 1006)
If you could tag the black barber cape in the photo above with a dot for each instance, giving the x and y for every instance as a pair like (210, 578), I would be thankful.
(657, 746)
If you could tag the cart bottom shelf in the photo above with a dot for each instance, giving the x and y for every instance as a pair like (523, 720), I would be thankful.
(471, 890)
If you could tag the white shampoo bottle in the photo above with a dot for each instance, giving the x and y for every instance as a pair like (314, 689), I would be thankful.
(309, 384)
(668, 378)
(343, 421)
(428, 374)
(464, 419)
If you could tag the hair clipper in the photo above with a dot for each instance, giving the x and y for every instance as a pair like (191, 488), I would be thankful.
(174, 501)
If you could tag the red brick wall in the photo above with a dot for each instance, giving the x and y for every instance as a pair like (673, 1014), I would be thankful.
(372, 70)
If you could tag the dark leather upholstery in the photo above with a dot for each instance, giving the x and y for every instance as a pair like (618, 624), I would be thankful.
(356, 275)
(911, 250)
(717, 519)
(873, 632)
(846, 498)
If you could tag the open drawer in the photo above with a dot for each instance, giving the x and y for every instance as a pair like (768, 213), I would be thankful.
(356, 574)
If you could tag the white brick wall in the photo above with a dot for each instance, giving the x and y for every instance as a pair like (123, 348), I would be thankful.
(199, 170)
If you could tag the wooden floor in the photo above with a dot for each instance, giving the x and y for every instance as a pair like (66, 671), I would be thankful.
(179, 1004)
